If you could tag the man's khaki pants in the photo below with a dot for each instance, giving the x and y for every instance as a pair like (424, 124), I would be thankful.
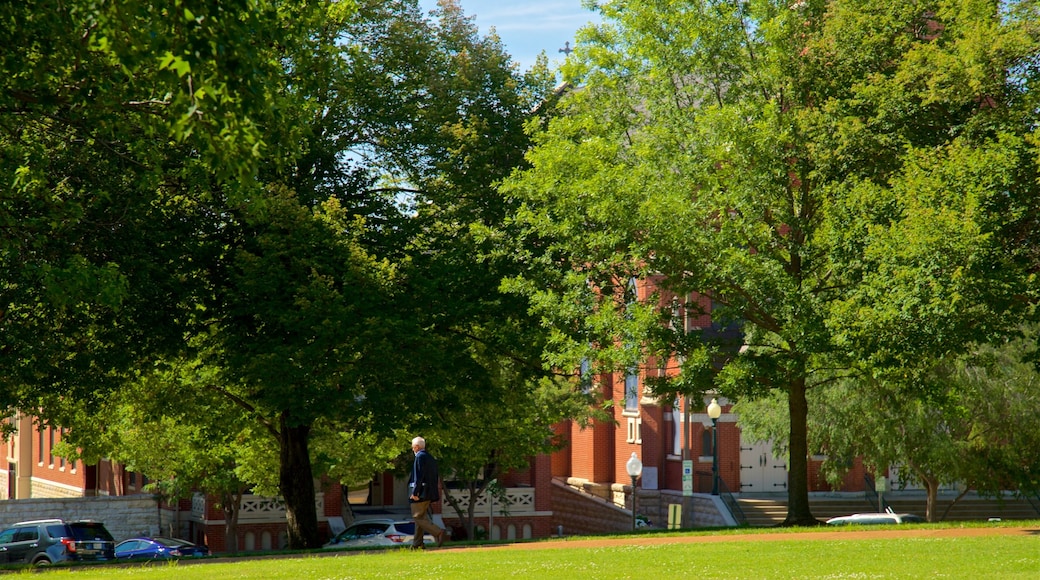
(423, 523)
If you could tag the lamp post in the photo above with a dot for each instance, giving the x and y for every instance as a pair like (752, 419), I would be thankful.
(635, 468)
(714, 412)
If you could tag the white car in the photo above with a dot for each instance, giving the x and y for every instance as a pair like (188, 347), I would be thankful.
(377, 532)
(876, 518)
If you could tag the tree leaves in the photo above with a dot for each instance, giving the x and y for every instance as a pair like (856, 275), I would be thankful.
(847, 179)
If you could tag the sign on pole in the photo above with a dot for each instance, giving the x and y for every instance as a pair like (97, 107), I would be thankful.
(687, 477)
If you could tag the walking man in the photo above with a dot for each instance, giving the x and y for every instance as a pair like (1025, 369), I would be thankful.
(424, 488)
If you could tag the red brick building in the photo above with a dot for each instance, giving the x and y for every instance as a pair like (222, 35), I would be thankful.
(666, 434)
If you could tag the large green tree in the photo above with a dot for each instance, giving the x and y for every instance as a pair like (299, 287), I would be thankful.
(302, 190)
(853, 181)
(352, 290)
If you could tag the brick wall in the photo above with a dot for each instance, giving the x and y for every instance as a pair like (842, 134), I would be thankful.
(561, 460)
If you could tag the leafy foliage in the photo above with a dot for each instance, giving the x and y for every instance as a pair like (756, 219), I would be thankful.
(280, 193)
(120, 124)
(848, 179)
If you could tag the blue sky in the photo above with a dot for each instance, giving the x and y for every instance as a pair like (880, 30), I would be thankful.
(527, 27)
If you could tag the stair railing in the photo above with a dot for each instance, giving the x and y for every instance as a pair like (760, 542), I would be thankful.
(872, 497)
(732, 504)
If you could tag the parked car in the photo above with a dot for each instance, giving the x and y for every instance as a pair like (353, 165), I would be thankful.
(876, 518)
(43, 542)
(377, 532)
(158, 548)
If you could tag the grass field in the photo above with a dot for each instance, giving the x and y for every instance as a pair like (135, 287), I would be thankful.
(797, 555)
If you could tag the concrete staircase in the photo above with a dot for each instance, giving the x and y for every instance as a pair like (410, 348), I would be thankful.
(771, 509)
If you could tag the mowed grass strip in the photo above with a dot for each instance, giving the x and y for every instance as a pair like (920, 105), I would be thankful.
(1004, 556)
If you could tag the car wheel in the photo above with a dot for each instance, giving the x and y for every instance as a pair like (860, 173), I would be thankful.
(41, 562)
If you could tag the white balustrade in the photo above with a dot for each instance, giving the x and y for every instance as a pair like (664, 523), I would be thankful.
(256, 508)
(520, 501)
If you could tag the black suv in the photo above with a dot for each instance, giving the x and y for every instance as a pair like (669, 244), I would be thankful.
(42, 542)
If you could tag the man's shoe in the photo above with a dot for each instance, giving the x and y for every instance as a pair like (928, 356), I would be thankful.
(417, 547)
(440, 537)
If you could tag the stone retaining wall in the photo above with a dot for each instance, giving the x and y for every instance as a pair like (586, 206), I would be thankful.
(582, 513)
(125, 516)
(582, 507)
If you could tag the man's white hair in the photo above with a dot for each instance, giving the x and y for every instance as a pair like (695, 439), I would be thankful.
(419, 442)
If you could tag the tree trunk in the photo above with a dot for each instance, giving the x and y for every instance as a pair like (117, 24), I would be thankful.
(296, 482)
(798, 511)
(230, 504)
(471, 507)
(959, 497)
(465, 514)
(931, 486)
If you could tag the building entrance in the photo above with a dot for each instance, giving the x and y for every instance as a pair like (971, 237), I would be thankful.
(760, 472)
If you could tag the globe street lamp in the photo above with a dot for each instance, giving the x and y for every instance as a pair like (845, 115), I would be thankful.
(714, 412)
(635, 468)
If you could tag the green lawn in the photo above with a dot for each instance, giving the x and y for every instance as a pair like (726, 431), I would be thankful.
(1016, 556)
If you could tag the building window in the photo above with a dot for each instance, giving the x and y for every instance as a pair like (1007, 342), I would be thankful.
(706, 443)
(632, 390)
(39, 445)
(50, 448)
(586, 376)
(693, 313)
(61, 460)
(632, 376)
(132, 479)
(635, 431)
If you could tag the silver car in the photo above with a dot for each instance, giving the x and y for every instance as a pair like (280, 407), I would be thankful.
(377, 532)
(876, 518)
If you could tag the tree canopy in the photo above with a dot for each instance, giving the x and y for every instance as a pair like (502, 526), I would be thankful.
(852, 181)
(120, 124)
(288, 194)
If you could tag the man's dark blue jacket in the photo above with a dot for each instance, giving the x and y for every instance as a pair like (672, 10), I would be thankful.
(425, 478)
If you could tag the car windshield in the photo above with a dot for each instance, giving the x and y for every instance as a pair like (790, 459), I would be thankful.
(89, 531)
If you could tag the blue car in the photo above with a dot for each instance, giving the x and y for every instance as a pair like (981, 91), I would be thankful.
(158, 548)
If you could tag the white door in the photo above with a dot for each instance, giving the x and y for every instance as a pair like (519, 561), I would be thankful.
(759, 470)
